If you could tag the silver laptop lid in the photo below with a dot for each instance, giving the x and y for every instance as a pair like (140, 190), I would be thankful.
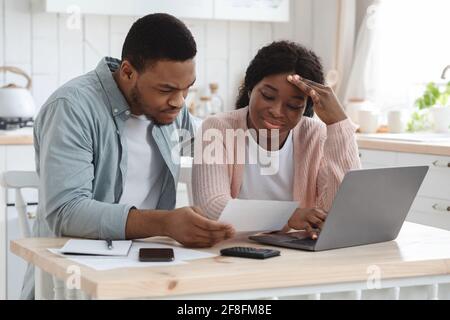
(370, 206)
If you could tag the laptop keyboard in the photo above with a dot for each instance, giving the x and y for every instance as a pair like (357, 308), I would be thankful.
(306, 242)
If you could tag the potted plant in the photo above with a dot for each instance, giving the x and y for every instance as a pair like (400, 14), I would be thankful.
(438, 102)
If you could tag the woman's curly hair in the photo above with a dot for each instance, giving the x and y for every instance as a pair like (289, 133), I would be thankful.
(277, 58)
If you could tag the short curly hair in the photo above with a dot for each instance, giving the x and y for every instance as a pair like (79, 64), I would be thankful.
(158, 36)
(277, 58)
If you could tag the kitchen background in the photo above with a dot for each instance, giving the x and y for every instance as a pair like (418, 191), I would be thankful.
(55, 47)
(379, 62)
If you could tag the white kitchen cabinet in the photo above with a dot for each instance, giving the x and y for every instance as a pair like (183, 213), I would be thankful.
(432, 204)
(252, 10)
(12, 268)
(377, 159)
(437, 182)
(246, 10)
(201, 9)
(431, 211)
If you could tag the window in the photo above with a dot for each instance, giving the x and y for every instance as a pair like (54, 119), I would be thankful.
(411, 47)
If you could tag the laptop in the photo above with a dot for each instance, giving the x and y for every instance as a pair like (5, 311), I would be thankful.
(370, 207)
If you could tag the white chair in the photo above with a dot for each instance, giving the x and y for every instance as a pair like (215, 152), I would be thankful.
(186, 177)
(18, 180)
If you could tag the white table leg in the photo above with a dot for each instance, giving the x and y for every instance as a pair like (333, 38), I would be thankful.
(59, 289)
(38, 290)
(43, 285)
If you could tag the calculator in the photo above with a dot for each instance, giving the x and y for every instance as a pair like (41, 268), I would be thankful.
(247, 252)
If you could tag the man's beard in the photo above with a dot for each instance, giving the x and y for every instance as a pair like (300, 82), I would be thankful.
(136, 100)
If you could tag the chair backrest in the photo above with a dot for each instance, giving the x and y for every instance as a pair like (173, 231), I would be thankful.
(186, 177)
(50, 287)
(19, 180)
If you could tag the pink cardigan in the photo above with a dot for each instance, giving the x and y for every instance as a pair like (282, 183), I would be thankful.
(322, 156)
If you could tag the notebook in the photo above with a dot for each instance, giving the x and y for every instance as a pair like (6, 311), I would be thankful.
(96, 247)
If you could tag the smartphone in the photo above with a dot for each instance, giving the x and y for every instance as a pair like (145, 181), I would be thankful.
(156, 255)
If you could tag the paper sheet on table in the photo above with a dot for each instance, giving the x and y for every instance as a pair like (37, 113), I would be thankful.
(257, 215)
(96, 247)
(132, 260)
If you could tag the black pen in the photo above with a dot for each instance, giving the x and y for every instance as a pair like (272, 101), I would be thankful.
(109, 244)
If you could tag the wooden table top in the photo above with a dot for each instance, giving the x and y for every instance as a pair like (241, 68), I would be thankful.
(418, 251)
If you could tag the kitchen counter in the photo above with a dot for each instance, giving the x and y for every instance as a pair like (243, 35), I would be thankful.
(440, 148)
(17, 137)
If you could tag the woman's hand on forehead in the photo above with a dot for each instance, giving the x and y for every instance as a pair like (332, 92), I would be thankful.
(326, 104)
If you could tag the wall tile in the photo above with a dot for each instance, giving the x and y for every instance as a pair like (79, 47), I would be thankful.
(45, 56)
(217, 71)
(261, 35)
(217, 39)
(303, 22)
(17, 32)
(44, 37)
(43, 87)
(2, 40)
(70, 49)
(239, 55)
(198, 29)
(286, 30)
(48, 46)
(324, 35)
(96, 40)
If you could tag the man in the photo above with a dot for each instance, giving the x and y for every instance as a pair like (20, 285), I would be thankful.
(104, 145)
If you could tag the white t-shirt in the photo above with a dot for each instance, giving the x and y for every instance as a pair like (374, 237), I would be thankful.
(268, 175)
(145, 165)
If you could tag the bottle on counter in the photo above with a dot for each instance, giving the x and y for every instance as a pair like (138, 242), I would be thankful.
(190, 100)
(216, 101)
(204, 108)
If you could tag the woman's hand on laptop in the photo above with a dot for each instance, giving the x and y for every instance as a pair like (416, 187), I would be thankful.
(191, 229)
(308, 219)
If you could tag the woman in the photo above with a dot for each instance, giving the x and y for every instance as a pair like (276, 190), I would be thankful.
(283, 88)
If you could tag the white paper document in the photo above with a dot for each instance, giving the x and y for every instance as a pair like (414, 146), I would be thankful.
(182, 255)
(96, 247)
(257, 215)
